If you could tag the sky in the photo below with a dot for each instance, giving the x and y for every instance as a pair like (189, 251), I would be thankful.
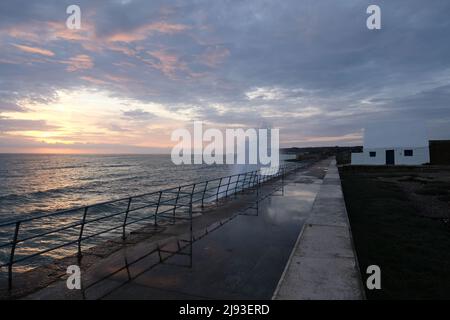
(139, 69)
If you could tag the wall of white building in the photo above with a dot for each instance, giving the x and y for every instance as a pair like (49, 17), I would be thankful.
(420, 156)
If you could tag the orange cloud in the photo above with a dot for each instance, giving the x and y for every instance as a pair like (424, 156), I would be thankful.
(40, 51)
(79, 62)
(167, 63)
(58, 30)
(93, 80)
(143, 32)
(122, 49)
(119, 79)
(49, 31)
(22, 32)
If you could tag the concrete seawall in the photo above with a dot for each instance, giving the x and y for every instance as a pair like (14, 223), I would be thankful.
(323, 263)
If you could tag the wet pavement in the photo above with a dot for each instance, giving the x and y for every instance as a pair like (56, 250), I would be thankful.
(242, 255)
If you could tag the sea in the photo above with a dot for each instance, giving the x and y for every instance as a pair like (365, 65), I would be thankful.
(36, 184)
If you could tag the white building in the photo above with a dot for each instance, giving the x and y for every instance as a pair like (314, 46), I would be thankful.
(394, 144)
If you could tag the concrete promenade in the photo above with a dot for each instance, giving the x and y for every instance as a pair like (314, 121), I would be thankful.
(236, 254)
(323, 264)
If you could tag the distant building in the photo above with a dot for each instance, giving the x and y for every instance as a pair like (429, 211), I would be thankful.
(287, 156)
(394, 144)
(440, 152)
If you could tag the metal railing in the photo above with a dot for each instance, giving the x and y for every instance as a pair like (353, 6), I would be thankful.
(168, 205)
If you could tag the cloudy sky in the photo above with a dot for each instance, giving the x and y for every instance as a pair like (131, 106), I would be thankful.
(138, 69)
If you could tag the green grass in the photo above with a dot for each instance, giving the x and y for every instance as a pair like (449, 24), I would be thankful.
(413, 252)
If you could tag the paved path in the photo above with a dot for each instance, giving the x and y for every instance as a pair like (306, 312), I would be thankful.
(323, 263)
(241, 257)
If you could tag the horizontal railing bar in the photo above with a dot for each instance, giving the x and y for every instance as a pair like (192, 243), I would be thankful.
(77, 224)
(9, 223)
(171, 217)
(171, 190)
(141, 219)
(84, 238)
(48, 232)
(43, 252)
(101, 232)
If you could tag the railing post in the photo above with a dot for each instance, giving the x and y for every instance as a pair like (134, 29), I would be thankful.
(11, 256)
(244, 182)
(258, 182)
(217, 192)
(191, 240)
(255, 175)
(247, 181)
(175, 206)
(80, 237)
(204, 192)
(236, 186)
(257, 191)
(126, 218)
(157, 209)
(228, 186)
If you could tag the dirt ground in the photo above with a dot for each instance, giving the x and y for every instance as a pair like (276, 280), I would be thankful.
(399, 218)
(428, 191)
(428, 188)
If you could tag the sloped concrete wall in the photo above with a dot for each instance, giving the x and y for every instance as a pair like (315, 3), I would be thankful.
(323, 264)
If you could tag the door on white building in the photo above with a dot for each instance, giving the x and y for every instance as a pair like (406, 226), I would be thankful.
(390, 157)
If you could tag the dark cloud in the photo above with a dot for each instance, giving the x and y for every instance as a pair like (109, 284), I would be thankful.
(8, 106)
(9, 125)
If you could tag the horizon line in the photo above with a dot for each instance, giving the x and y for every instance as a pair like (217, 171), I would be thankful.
(143, 153)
